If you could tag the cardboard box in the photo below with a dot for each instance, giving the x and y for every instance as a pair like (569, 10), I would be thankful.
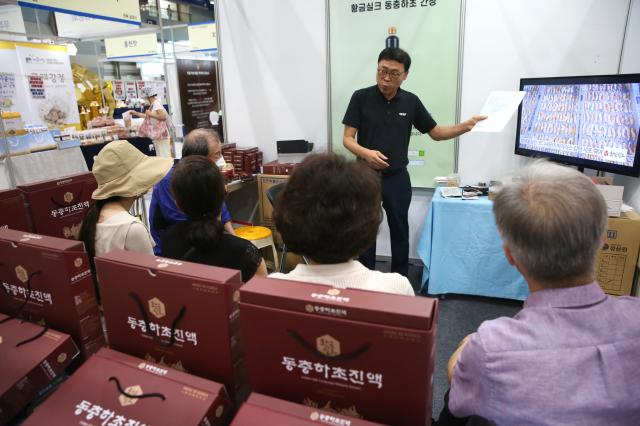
(62, 293)
(103, 390)
(266, 209)
(616, 261)
(613, 197)
(336, 348)
(58, 206)
(13, 212)
(265, 410)
(199, 302)
(31, 358)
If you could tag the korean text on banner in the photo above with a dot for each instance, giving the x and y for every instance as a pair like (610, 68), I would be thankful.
(202, 36)
(127, 11)
(129, 46)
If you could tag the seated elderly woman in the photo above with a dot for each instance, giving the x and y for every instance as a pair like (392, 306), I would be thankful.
(123, 174)
(329, 212)
(199, 190)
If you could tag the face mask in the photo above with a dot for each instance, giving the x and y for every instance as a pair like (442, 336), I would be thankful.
(220, 162)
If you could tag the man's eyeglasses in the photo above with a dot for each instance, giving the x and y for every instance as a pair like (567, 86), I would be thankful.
(393, 74)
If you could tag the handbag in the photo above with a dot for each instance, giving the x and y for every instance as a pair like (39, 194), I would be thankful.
(153, 129)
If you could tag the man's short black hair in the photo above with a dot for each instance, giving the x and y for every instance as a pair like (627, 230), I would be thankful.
(197, 142)
(396, 54)
(329, 211)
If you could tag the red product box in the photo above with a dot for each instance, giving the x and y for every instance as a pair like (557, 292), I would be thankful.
(58, 206)
(334, 348)
(178, 314)
(32, 356)
(13, 212)
(113, 389)
(228, 146)
(53, 276)
(262, 409)
(276, 168)
(247, 150)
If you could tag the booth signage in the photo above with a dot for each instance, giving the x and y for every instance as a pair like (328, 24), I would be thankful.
(202, 36)
(76, 26)
(197, 81)
(126, 11)
(11, 19)
(133, 45)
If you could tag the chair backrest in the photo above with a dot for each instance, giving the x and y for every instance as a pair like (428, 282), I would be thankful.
(272, 193)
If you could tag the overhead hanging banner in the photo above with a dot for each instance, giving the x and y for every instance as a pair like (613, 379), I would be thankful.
(126, 11)
(11, 19)
(75, 26)
(130, 46)
(429, 31)
(202, 36)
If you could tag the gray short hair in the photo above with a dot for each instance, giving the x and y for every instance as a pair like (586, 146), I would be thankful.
(553, 219)
(197, 142)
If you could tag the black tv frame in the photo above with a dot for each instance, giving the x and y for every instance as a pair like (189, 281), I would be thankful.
(574, 161)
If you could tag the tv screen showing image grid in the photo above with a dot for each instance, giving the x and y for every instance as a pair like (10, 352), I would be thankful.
(591, 121)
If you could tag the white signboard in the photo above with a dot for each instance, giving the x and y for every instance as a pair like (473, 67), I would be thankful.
(126, 11)
(130, 90)
(202, 36)
(11, 19)
(76, 26)
(130, 46)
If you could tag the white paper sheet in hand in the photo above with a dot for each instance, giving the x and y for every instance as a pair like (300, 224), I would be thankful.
(499, 108)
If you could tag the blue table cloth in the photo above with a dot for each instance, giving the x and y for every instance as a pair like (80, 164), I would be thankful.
(462, 251)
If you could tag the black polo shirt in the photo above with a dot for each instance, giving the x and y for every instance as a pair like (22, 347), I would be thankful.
(386, 125)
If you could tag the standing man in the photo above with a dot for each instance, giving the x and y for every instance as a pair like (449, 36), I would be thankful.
(382, 117)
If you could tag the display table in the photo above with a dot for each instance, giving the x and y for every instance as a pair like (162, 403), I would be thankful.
(47, 165)
(462, 251)
(145, 145)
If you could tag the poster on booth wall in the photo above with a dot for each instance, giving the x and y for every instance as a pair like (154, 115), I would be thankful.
(197, 82)
(140, 85)
(429, 30)
(118, 90)
(130, 90)
(45, 71)
(13, 94)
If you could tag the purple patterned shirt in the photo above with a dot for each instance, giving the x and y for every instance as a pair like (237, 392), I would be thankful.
(571, 356)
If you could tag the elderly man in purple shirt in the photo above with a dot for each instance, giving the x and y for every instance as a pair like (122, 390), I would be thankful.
(572, 355)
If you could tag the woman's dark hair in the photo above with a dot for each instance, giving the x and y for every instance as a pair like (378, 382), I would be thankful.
(88, 234)
(330, 209)
(198, 188)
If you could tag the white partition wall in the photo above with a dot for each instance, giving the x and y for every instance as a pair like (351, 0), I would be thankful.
(273, 56)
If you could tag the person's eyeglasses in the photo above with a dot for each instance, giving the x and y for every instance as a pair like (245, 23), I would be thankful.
(393, 74)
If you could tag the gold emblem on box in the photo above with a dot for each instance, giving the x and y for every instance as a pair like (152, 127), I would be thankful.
(0, 340)
(125, 401)
(162, 265)
(236, 296)
(78, 262)
(314, 416)
(156, 307)
(22, 274)
(333, 292)
(62, 358)
(219, 411)
(328, 345)
(68, 197)
(308, 308)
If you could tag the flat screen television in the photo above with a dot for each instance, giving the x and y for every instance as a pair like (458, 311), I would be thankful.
(591, 122)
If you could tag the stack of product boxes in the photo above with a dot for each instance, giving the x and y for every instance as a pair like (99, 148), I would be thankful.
(245, 160)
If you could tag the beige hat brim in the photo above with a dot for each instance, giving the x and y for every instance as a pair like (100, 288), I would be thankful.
(139, 180)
